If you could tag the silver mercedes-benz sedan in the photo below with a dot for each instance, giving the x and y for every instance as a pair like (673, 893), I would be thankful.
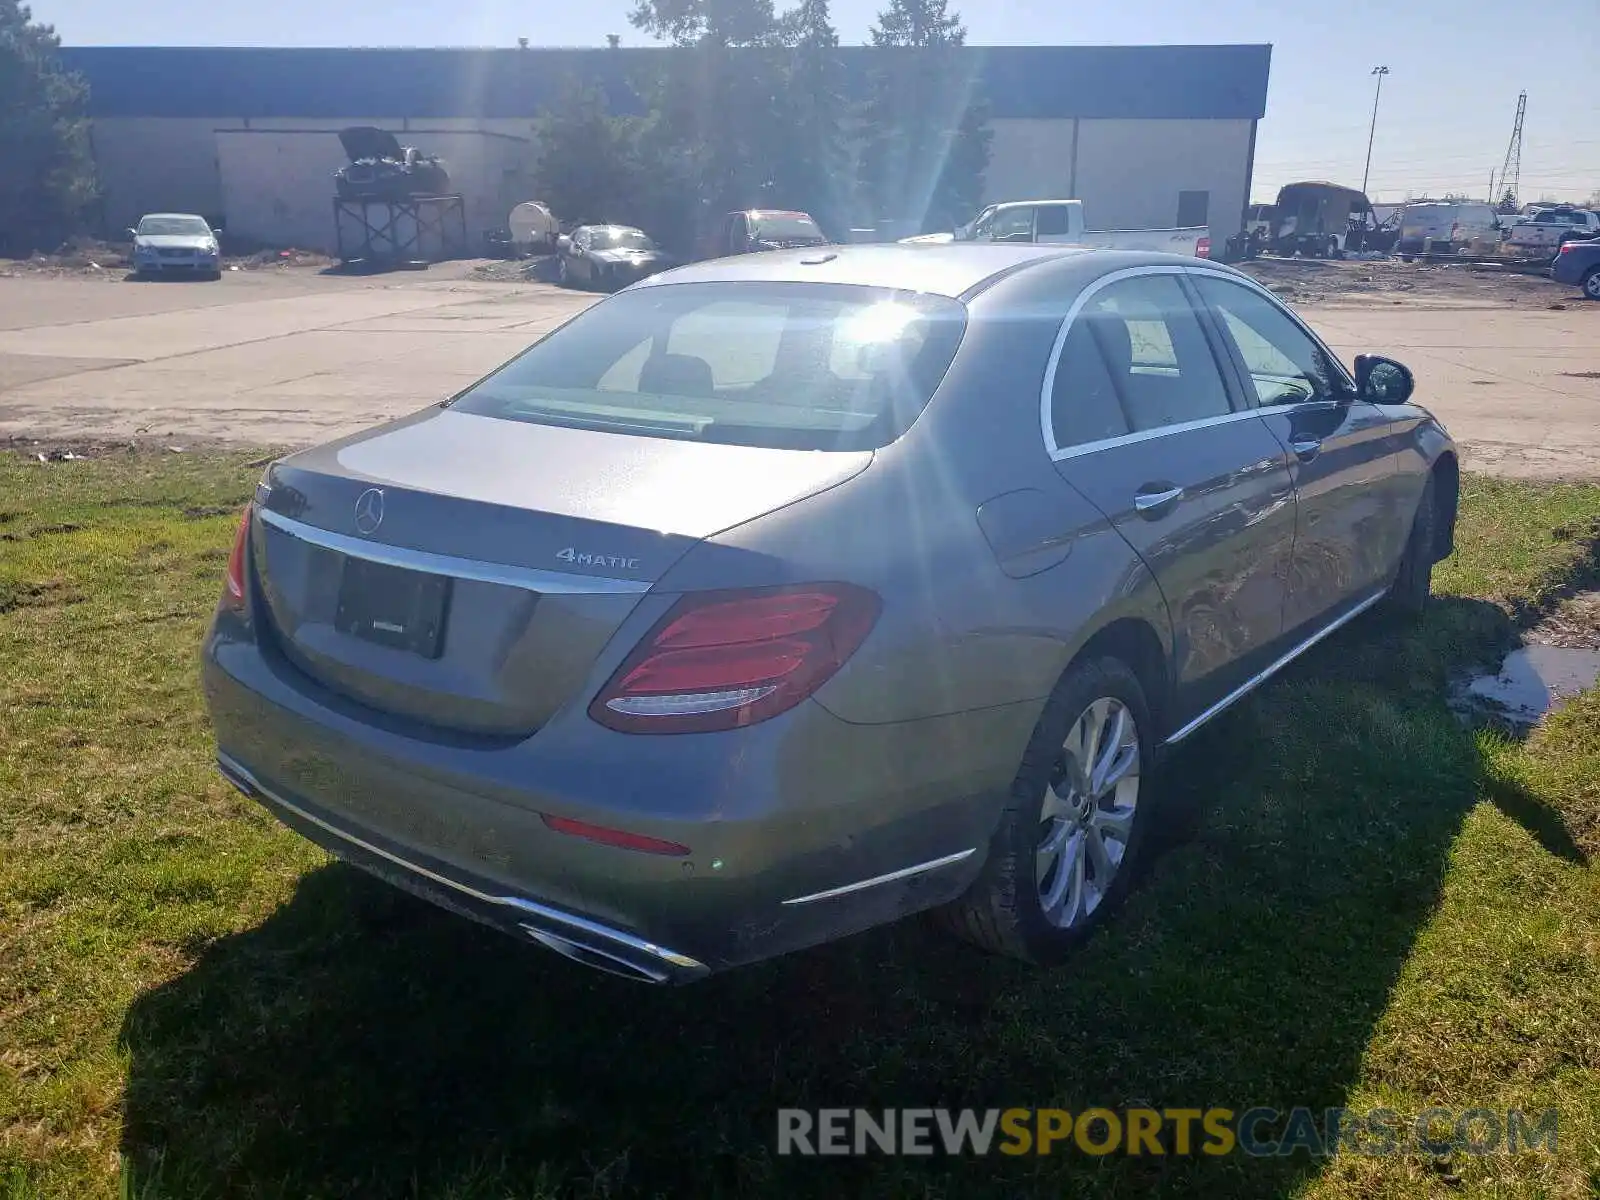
(778, 597)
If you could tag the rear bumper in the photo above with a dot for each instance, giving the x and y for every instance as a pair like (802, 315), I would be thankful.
(802, 829)
(582, 940)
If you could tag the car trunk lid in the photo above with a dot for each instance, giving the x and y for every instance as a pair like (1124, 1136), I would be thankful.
(465, 572)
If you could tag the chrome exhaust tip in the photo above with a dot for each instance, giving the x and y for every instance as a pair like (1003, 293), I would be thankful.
(598, 958)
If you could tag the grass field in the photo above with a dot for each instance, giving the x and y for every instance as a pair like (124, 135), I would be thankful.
(1370, 906)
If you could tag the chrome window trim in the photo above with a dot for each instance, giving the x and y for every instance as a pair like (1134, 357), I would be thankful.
(1046, 396)
(1255, 681)
(533, 579)
(892, 876)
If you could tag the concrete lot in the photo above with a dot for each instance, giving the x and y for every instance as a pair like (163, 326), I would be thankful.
(293, 357)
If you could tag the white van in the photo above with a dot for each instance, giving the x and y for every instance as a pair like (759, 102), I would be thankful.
(1447, 228)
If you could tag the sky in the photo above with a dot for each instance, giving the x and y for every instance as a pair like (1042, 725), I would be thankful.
(1443, 124)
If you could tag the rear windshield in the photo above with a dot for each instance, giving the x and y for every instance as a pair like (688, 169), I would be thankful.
(786, 365)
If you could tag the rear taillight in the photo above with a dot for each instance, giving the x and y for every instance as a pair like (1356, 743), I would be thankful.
(720, 660)
(1567, 247)
(233, 595)
(1202, 248)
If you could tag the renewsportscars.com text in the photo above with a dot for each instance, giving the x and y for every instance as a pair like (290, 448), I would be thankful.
(1258, 1132)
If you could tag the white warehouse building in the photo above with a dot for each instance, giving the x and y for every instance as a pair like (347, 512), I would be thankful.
(1143, 135)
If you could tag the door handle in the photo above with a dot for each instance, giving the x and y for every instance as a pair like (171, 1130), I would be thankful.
(1306, 449)
(1152, 501)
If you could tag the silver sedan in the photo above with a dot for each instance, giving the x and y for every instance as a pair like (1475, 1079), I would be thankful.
(781, 596)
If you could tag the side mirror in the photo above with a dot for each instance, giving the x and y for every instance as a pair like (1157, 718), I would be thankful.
(133, 233)
(1382, 380)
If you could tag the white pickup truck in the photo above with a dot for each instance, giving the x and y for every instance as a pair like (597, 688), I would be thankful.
(1061, 222)
(1543, 234)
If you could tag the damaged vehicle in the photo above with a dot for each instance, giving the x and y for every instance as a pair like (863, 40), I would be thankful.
(1314, 218)
(608, 256)
(380, 168)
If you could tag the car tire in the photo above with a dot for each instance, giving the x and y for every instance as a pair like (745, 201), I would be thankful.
(1008, 908)
(1591, 284)
(1413, 582)
(563, 275)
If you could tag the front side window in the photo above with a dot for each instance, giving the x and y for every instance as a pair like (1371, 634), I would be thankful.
(1134, 360)
(786, 365)
(1285, 364)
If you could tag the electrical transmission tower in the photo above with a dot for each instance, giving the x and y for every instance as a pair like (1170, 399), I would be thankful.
(1511, 172)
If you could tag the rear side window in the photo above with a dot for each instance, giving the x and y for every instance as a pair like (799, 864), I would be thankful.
(1135, 359)
(786, 365)
(1053, 220)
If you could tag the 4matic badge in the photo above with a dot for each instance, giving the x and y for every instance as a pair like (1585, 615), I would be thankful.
(585, 559)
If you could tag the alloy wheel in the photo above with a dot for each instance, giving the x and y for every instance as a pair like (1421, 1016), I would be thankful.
(1088, 813)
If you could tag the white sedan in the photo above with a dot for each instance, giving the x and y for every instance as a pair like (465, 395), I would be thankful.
(176, 243)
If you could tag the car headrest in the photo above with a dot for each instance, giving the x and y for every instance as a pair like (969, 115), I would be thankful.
(676, 375)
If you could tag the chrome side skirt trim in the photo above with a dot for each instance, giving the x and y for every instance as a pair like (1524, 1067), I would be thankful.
(1256, 681)
(891, 877)
(530, 578)
(683, 965)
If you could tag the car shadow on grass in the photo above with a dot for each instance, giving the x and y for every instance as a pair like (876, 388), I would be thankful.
(358, 1043)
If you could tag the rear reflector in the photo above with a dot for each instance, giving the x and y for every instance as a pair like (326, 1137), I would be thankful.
(233, 596)
(620, 838)
(720, 660)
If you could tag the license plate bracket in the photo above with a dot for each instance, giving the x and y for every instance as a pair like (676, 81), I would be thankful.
(393, 607)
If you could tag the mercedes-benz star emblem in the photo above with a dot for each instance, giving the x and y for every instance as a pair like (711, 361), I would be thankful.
(369, 510)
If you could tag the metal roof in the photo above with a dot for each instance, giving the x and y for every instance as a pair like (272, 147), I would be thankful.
(952, 270)
(237, 82)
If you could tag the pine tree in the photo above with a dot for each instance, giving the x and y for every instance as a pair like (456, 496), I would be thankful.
(927, 137)
(46, 164)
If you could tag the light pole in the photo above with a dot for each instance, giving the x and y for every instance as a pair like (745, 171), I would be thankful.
(1380, 72)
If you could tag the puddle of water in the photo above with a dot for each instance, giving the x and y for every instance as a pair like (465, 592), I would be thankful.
(1532, 681)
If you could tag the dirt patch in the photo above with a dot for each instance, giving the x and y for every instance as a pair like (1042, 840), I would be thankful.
(523, 270)
(1378, 281)
(49, 593)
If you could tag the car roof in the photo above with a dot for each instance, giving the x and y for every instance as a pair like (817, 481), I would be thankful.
(958, 270)
(190, 216)
(775, 212)
(610, 225)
